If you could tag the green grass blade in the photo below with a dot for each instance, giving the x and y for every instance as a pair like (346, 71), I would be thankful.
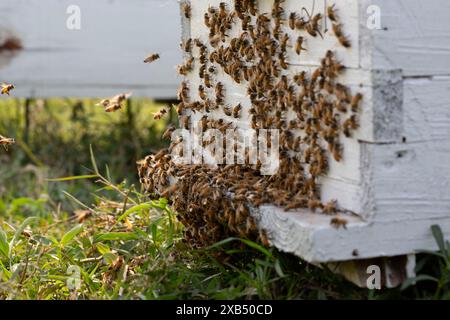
(115, 236)
(4, 245)
(91, 176)
(93, 161)
(71, 234)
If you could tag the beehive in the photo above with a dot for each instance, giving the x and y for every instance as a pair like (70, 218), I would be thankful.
(391, 184)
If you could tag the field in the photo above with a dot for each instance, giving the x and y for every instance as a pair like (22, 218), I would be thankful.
(74, 223)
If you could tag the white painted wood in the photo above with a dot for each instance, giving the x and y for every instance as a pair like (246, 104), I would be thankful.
(310, 235)
(103, 58)
(414, 37)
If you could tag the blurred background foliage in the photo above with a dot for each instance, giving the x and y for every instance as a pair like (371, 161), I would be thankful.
(53, 138)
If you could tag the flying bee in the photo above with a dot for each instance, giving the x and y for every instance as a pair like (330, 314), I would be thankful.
(298, 45)
(331, 12)
(330, 207)
(338, 222)
(113, 107)
(6, 88)
(151, 58)
(115, 103)
(356, 101)
(6, 142)
(187, 10)
(158, 115)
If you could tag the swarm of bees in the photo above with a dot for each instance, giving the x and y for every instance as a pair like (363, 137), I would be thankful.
(115, 103)
(6, 88)
(312, 111)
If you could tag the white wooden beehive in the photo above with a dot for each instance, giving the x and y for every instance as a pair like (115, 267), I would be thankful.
(395, 175)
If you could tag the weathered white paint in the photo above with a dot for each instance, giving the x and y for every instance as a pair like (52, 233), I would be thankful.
(414, 37)
(395, 176)
(103, 58)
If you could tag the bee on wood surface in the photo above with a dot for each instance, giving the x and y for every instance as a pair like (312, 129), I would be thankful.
(337, 29)
(349, 125)
(299, 45)
(151, 58)
(6, 88)
(330, 207)
(187, 10)
(338, 222)
(331, 12)
(168, 133)
(356, 100)
(292, 20)
(187, 46)
(202, 92)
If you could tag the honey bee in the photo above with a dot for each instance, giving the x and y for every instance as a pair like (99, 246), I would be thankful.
(187, 10)
(113, 107)
(236, 110)
(330, 207)
(6, 142)
(6, 88)
(187, 46)
(151, 58)
(207, 81)
(292, 20)
(115, 103)
(349, 125)
(158, 115)
(338, 222)
(219, 91)
(331, 12)
(202, 93)
(168, 133)
(183, 92)
(313, 26)
(337, 29)
(356, 101)
(252, 7)
(298, 45)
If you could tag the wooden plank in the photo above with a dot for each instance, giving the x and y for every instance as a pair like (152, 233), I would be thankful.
(414, 37)
(103, 58)
(310, 235)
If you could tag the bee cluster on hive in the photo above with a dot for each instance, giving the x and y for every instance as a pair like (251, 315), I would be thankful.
(312, 110)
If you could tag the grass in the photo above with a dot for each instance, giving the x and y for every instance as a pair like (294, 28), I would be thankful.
(94, 235)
